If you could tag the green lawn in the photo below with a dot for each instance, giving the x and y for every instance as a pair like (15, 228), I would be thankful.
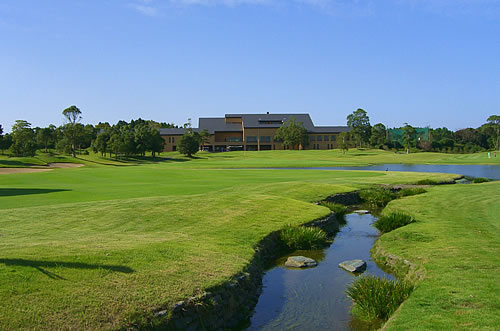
(90, 247)
(455, 241)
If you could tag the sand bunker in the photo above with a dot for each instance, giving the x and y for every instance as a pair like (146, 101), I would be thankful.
(6, 171)
(65, 165)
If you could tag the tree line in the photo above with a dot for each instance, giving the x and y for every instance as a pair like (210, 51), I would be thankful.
(134, 138)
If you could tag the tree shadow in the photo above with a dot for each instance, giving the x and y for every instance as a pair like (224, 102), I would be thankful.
(40, 265)
(5, 192)
(14, 163)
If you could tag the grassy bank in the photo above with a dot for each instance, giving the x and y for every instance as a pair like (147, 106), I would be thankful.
(455, 243)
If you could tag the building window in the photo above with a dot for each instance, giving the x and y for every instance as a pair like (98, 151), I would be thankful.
(313, 138)
(173, 141)
(174, 148)
(169, 140)
(334, 138)
(327, 138)
(265, 139)
(251, 139)
(320, 138)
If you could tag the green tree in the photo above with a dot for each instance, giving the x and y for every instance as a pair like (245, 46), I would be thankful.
(494, 121)
(292, 134)
(23, 139)
(189, 143)
(72, 133)
(45, 136)
(205, 137)
(409, 134)
(157, 143)
(344, 141)
(100, 144)
(360, 124)
(379, 135)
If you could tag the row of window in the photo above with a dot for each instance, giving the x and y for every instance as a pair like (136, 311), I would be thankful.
(171, 141)
(317, 146)
(323, 138)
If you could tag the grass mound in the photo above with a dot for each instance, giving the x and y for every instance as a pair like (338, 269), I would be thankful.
(427, 182)
(377, 298)
(392, 221)
(338, 209)
(480, 180)
(377, 197)
(301, 237)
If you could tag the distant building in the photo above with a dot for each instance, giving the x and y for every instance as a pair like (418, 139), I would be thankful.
(253, 132)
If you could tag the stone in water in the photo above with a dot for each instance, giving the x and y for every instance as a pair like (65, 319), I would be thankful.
(362, 211)
(353, 265)
(300, 262)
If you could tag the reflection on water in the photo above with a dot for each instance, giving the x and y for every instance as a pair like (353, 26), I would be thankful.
(486, 171)
(315, 299)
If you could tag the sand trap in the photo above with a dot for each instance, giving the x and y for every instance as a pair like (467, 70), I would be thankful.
(6, 171)
(65, 165)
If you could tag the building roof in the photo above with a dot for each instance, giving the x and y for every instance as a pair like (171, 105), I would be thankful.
(213, 124)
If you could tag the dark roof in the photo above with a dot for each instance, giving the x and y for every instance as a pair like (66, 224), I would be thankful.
(330, 129)
(171, 131)
(213, 124)
(261, 120)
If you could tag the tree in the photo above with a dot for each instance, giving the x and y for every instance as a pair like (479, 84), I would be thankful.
(205, 137)
(409, 134)
(379, 134)
(292, 133)
(344, 141)
(72, 114)
(45, 136)
(157, 143)
(23, 139)
(494, 120)
(100, 144)
(360, 124)
(189, 143)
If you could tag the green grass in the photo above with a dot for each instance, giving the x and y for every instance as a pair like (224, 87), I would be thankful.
(377, 197)
(392, 221)
(338, 209)
(91, 247)
(478, 180)
(409, 191)
(377, 298)
(302, 237)
(455, 245)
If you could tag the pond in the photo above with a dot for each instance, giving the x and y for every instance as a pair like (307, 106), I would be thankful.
(486, 171)
(314, 298)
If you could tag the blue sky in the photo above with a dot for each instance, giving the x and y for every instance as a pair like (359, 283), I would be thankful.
(426, 62)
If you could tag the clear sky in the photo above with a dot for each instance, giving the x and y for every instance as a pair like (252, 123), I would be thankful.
(425, 62)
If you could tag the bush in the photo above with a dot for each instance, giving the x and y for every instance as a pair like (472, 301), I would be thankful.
(480, 180)
(427, 182)
(411, 191)
(338, 209)
(395, 220)
(301, 237)
(375, 297)
(377, 196)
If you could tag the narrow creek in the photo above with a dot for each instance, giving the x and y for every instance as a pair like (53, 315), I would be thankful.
(314, 298)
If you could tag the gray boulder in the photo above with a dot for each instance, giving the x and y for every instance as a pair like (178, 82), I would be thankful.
(353, 265)
(362, 211)
(300, 262)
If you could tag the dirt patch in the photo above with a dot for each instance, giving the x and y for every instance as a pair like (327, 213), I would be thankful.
(65, 165)
(6, 171)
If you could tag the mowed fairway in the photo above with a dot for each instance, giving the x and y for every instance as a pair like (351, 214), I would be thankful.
(98, 246)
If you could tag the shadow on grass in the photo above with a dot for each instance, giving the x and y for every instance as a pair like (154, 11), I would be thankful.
(40, 265)
(6, 192)
(14, 163)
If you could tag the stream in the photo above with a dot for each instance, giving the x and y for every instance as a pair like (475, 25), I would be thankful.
(314, 298)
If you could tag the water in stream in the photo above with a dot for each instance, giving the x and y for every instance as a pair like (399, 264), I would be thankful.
(315, 299)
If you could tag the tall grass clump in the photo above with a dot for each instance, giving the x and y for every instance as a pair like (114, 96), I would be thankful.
(392, 221)
(480, 180)
(406, 192)
(301, 237)
(427, 182)
(377, 298)
(338, 209)
(377, 196)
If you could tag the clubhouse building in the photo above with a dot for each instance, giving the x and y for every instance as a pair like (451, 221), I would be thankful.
(253, 132)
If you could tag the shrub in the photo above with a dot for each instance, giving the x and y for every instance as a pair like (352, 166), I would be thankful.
(427, 182)
(480, 180)
(301, 237)
(395, 220)
(411, 191)
(375, 297)
(377, 196)
(338, 209)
